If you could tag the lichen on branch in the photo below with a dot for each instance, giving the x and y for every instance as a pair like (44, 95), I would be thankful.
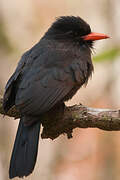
(77, 116)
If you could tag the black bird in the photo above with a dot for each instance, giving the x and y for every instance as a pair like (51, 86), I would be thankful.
(48, 74)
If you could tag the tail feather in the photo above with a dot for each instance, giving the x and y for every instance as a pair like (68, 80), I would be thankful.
(25, 150)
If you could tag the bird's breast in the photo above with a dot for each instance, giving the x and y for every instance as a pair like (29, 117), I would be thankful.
(72, 92)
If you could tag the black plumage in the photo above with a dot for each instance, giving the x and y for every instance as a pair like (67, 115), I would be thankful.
(48, 74)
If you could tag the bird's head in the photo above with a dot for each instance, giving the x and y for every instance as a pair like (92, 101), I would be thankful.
(73, 28)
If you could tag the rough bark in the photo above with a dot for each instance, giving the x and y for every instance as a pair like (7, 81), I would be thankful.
(77, 116)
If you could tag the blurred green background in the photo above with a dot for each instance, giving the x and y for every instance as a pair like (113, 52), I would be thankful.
(91, 154)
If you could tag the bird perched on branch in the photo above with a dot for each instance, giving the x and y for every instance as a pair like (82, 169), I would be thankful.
(47, 75)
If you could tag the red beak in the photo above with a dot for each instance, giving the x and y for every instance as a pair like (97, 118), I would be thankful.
(94, 36)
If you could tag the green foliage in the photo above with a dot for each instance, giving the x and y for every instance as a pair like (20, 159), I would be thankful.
(110, 54)
(5, 44)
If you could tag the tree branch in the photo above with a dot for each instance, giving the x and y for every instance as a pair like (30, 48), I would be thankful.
(77, 116)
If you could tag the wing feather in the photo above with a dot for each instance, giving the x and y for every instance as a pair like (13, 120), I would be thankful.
(41, 96)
